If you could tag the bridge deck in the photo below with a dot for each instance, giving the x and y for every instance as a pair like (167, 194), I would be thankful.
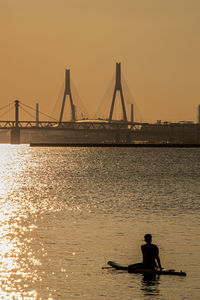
(69, 125)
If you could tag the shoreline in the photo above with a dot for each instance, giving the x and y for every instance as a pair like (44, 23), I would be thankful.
(166, 145)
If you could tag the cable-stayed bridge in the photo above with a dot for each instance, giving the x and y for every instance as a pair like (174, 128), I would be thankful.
(114, 107)
(72, 110)
(117, 120)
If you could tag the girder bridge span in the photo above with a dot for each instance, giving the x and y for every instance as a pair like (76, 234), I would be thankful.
(90, 124)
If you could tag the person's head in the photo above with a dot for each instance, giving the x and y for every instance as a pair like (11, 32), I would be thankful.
(148, 238)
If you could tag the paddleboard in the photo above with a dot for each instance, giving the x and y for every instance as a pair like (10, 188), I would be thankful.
(146, 271)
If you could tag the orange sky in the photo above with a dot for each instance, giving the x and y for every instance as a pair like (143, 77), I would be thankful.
(157, 42)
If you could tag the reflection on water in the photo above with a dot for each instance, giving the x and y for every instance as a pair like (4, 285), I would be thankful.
(150, 285)
(64, 212)
(16, 257)
(20, 253)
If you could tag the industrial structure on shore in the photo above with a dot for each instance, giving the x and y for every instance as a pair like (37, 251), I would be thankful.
(100, 131)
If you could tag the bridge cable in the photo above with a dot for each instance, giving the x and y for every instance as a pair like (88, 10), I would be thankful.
(39, 111)
(103, 108)
(6, 112)
(1, 108)
(58, 101)
(80, 107)
(130, 99)
(27, 112)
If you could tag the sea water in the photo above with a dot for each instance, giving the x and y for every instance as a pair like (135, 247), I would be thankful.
(64, 212)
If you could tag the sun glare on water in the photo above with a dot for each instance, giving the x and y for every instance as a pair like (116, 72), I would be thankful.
(15, 255)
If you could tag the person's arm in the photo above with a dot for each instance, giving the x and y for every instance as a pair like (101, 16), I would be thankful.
(158, 259)
(143, 253)
(158, 262)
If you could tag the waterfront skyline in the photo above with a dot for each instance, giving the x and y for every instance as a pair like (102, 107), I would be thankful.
(157, 43)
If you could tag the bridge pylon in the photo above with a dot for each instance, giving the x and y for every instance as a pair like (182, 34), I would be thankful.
(67, 92)
(15, 132)
(118, 87)
(16, 113)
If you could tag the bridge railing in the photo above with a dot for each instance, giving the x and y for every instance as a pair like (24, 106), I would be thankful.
(69, 125)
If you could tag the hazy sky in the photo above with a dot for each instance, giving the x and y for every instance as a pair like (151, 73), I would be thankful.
(157, 42)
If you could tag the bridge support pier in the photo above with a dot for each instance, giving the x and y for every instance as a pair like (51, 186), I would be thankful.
(15, 136)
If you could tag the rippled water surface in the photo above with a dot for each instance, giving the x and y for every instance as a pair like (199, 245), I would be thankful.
(64, 212)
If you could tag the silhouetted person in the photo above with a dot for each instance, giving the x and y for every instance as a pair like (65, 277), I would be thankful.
(150, 255)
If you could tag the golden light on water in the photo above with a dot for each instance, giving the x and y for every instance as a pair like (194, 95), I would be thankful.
(12, 269)
(16, 258)
(21, 269)
(65, 212)
(15, 251)
(4, 182)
